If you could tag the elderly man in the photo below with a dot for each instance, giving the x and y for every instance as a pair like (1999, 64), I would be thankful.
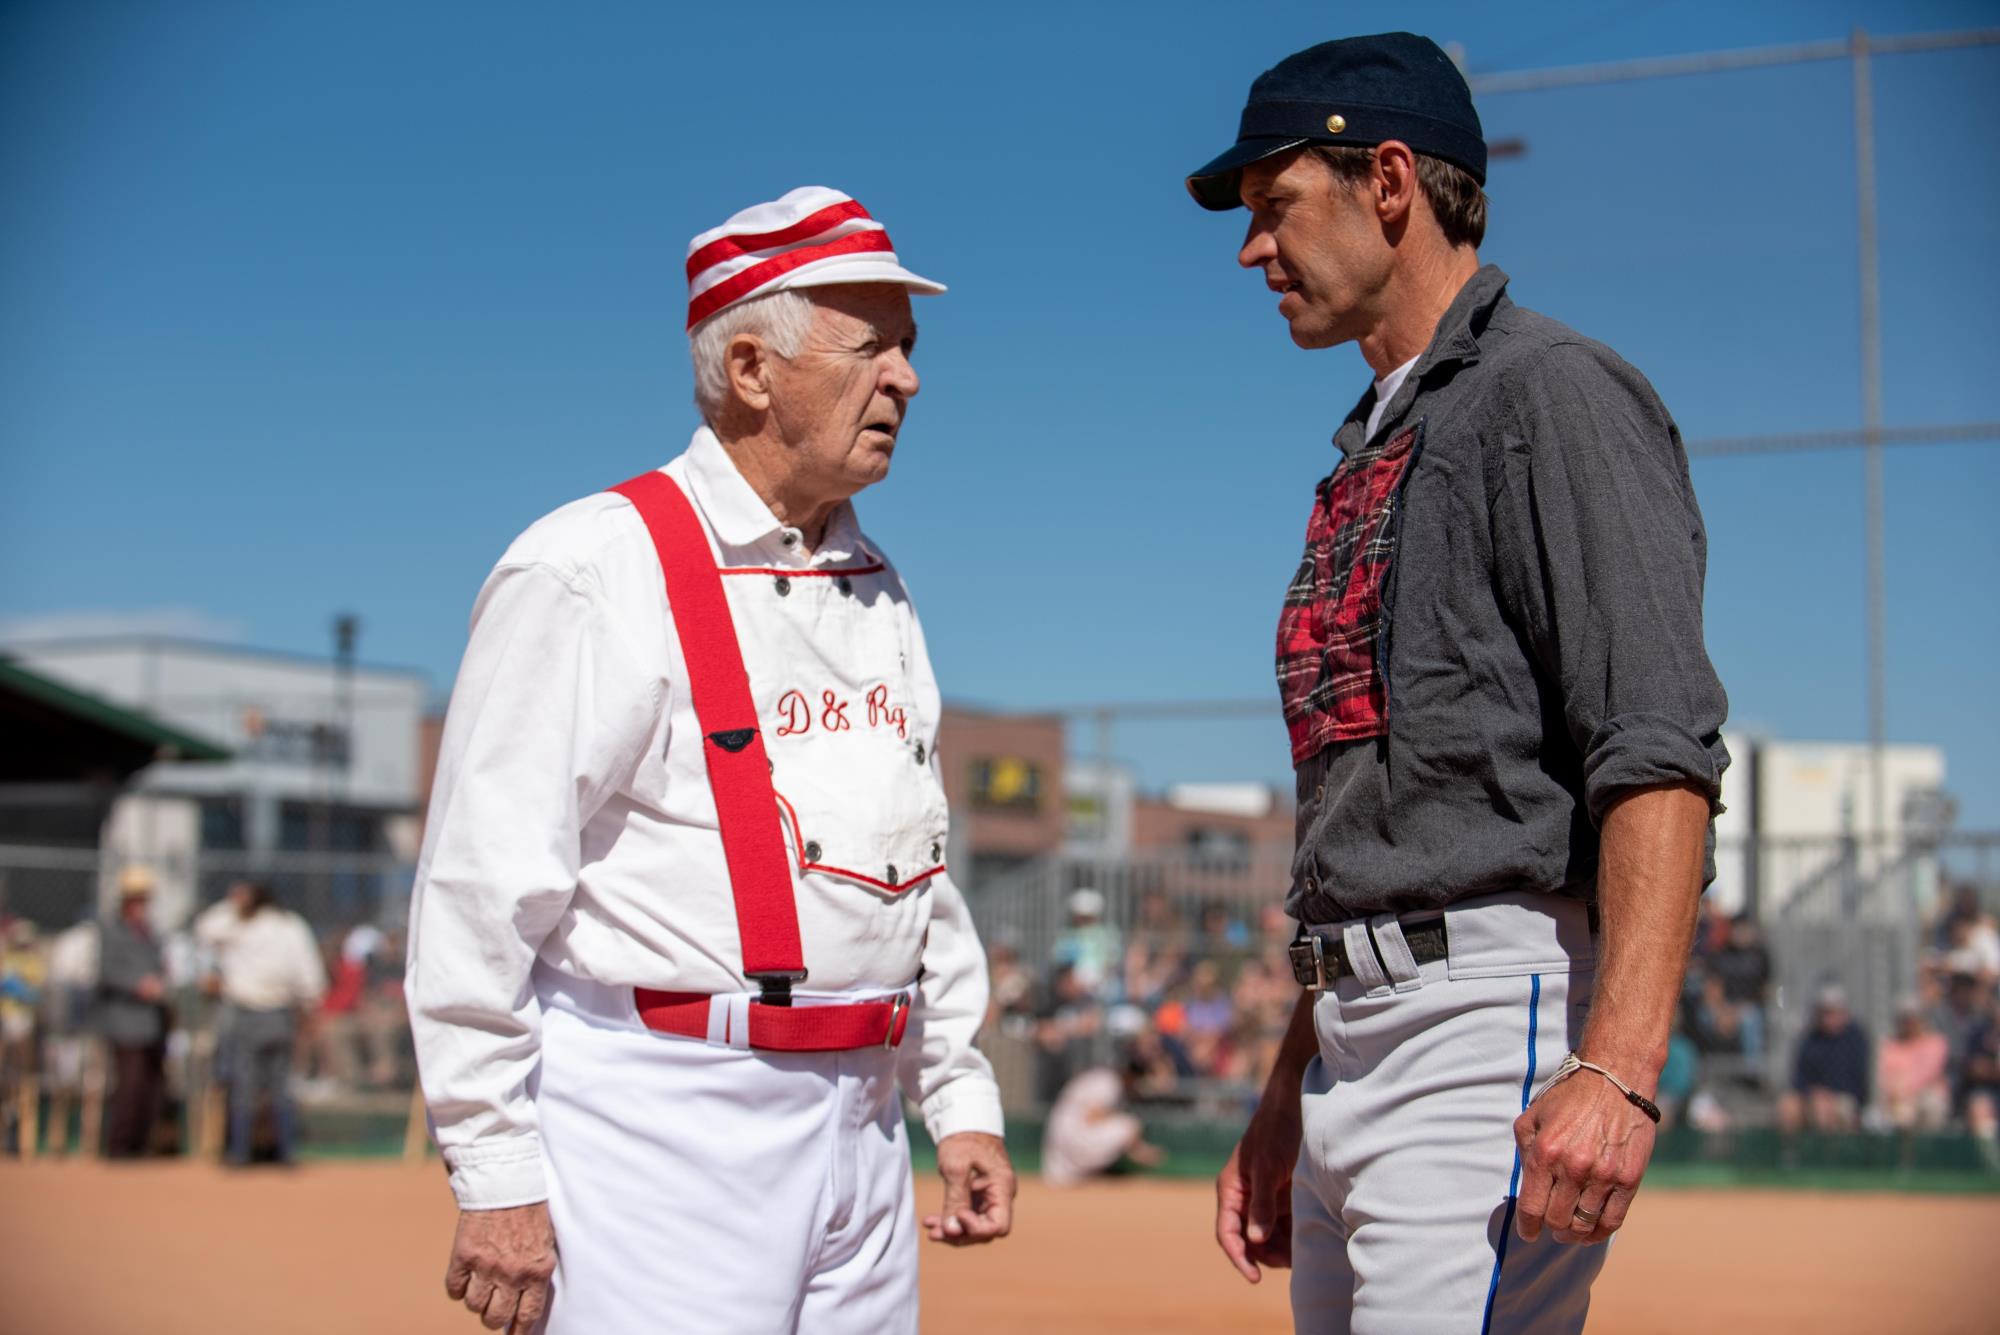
(1505, 729)
(132, 1016)
(682, 928)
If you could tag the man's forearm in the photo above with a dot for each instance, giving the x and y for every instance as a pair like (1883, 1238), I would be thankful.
(1648, 890)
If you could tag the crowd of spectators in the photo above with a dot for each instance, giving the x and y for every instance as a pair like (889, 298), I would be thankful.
(1192, 998)
(1720, 1030)
(1939, 1067)
(1187, 1000)
(112, 1026)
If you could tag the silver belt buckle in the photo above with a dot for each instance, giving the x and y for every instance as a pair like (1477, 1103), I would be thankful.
(1308, 955)
(896, 1009)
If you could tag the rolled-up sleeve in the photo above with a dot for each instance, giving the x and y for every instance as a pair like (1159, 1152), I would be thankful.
(942, 1071)
(550, 711)
(1600, 555)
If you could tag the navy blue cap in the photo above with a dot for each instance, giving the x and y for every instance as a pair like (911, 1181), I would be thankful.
(1358, 90)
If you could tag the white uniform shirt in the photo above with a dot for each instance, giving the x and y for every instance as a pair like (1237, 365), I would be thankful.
(572, 822)
(268, 961)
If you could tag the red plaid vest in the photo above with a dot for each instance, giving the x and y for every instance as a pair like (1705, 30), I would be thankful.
(1332, 655)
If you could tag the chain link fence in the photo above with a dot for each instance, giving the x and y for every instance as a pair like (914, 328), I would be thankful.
(353, 1075)
(1862, 921)
(1174, 961)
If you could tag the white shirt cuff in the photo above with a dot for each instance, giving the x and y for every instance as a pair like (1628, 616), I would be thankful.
(498, 1175)
(970, 1103)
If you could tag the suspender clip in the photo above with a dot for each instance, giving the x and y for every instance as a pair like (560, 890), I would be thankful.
(775, 989)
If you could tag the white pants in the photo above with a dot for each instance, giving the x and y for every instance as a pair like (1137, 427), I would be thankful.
(714, 1191)
(1403, 1196)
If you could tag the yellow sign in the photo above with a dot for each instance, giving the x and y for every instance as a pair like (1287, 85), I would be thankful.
(1007, 781)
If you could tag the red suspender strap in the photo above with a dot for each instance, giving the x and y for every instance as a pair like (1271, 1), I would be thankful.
(739, 771)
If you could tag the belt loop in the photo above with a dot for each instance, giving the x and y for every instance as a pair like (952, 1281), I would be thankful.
(1360, 954)
(729, 1020)
(1396, 956)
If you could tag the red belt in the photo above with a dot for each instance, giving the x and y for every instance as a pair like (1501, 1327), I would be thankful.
(844, 1027)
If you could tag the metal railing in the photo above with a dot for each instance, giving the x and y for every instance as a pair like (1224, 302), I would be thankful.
(1860, 914)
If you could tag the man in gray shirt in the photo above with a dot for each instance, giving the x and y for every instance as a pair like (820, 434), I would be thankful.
(132, 1016)
(1505, 728)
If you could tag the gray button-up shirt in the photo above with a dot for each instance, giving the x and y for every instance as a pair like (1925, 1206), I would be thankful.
(127, 955)
(1540, 641)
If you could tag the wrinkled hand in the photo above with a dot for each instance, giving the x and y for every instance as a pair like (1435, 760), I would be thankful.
(1253, 1193)
(501, 1261)
(1582, 1145)
(978, 1190)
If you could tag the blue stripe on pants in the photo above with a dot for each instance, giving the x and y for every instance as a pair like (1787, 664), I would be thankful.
(1514, 1183)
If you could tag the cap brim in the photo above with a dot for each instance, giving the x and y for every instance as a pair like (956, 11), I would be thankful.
(1218, 185)
(870, 271)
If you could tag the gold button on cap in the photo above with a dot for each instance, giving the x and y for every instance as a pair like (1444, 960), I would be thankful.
(1336, 123)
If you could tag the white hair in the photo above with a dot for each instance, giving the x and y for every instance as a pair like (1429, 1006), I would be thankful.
(780, 318)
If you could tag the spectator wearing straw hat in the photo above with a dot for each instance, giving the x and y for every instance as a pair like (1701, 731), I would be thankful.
(132, 1015)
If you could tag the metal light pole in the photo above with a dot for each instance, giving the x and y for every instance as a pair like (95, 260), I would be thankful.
(1871, 425)
(1858, 50)
(333, 756)
(346, 633)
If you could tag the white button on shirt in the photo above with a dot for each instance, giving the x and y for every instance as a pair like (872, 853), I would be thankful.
(572, 828)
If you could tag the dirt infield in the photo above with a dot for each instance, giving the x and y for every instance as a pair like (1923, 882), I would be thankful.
(180, 1249)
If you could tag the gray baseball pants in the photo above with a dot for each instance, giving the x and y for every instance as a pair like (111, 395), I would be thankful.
(1403, 1196)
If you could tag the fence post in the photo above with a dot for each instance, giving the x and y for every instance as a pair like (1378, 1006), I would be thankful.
(90, 1133)
(417, 1131)
(28, 1129)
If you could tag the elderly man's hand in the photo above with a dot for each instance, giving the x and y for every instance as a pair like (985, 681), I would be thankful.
(1582, 1145)
(978, 1190)
(501, 1261)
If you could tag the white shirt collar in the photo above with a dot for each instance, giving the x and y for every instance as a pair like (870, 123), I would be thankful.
(1385, 390)
(741, 519)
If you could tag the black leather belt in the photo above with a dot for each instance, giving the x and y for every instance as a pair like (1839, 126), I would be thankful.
(1317, 962)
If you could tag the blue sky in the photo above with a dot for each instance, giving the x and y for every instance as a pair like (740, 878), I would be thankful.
(310, 308)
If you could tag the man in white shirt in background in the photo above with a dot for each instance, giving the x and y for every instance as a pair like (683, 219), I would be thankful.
(1088, 1131)
(266, 967)
(681, 928)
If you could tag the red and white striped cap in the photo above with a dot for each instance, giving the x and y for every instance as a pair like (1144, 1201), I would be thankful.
(811, 237)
